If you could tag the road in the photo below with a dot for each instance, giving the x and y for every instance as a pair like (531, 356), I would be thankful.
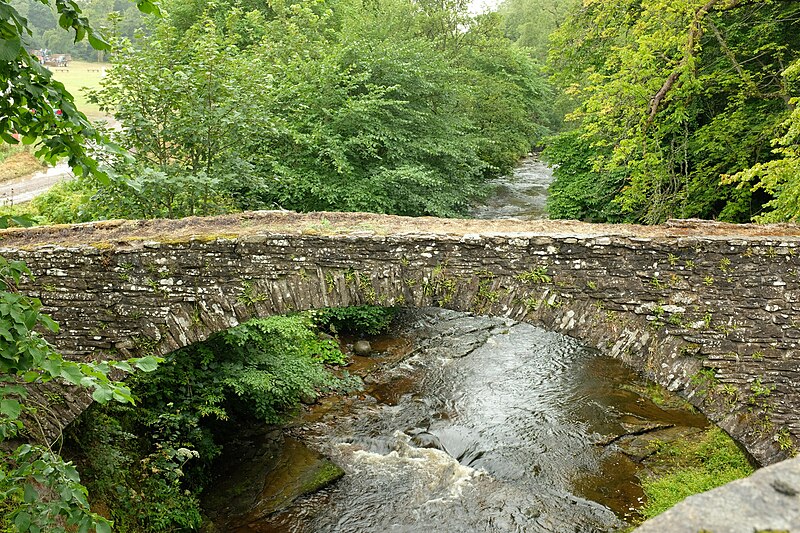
(23, 190)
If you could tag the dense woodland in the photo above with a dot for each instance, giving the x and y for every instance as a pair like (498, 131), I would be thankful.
(682, 109)
(649, 110)
(389, 107)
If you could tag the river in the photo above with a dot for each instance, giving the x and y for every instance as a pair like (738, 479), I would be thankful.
(523, 195)
(466, 424)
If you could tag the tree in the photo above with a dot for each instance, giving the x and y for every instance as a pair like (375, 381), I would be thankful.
(337, 105)
(185, 100)
(32, 97)
(779, 177)
(529, 23)
(673, 95)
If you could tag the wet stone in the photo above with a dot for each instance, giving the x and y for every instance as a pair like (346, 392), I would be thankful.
(362, 348)
(639, 447)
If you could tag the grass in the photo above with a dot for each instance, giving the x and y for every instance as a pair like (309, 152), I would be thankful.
(702, 464)
(77, 76)
(17, 160)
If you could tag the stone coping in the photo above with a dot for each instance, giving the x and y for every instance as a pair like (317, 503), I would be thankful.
(334, 223)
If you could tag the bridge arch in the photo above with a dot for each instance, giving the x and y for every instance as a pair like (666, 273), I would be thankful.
(708, 310)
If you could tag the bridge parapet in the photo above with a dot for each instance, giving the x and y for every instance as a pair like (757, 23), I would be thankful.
(708, 310)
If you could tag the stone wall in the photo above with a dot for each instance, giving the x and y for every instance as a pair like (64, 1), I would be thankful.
(709, 311)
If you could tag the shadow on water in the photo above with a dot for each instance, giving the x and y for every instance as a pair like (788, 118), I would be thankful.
(511, 428)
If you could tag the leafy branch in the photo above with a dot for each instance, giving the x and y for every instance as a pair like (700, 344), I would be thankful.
(45, 491)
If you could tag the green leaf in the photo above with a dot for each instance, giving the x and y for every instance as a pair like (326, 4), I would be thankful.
(53, 366)
(123, 395)
(8, 138)
(147, 6)
(10, 408)
(103, 527)
(148, 363)
(45, 320)
(97, 42)
(23, 519)
(72, 373)
(102, 395)
(10, 48)
(122, 365)
(30, 376)
(31, 494)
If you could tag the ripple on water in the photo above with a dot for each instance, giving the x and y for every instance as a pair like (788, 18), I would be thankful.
(499, 440)
(522, 195)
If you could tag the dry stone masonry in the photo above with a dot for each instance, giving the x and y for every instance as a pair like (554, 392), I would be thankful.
(711, 311)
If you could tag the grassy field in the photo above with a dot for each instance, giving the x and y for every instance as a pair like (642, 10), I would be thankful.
(77, 76)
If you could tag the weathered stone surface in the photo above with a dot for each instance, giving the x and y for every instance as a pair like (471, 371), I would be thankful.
(710, 311)
(768, 500)
(362, 347)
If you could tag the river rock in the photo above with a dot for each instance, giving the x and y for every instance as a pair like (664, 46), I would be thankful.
(768, 500)
(639, 447)
(362, 348)
(269, 474)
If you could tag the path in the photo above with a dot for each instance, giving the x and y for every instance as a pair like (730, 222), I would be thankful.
(26, 189)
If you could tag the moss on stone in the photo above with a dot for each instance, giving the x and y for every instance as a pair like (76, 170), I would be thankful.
(325, 474)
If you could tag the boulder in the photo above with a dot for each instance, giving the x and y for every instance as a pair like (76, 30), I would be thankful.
(768, 500)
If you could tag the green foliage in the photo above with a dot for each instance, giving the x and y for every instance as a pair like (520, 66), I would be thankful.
(778, 177)
(580, 191)
(535, 275)
(46, 493)
(29, 105)
(529, 23)
(276, 364)
(46, 32)
(320, 105)
(184, 131)
(67, 202)
(41, 490)
(363, 319)
(141, 479)
(703, 464)
(673, 96)
(149, 463)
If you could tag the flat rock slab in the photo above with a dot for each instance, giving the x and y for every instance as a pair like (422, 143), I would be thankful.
(768, 500)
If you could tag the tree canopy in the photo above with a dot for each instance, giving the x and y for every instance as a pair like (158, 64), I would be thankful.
(393, 106)
(672, 97)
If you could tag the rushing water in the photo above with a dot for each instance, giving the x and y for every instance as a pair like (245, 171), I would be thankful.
(522, 195)
(489, 426)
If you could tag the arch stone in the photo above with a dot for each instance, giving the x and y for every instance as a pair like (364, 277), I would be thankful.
(708, 310)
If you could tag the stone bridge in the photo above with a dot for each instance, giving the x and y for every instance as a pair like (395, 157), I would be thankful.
(709, 310)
